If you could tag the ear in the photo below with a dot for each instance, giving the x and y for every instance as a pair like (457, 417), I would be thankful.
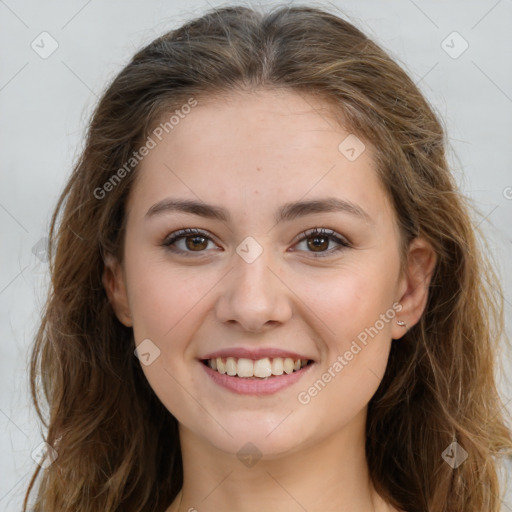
(115, 285)
(413, 288)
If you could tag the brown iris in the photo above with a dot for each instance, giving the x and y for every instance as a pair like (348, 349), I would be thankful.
(318, 242)
(198, 242)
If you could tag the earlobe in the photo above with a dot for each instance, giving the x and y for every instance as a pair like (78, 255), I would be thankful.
(421, 260)
(115, 287)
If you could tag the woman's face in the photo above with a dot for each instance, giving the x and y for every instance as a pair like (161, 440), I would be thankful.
(257, 285)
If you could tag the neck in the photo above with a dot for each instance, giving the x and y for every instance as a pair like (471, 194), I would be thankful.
(331, 474)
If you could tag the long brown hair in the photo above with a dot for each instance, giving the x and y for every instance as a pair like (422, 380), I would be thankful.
(117, 445)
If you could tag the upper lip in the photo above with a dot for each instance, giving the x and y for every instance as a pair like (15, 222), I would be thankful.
(259, 353)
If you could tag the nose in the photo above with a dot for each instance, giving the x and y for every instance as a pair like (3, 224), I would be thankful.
(253, 296)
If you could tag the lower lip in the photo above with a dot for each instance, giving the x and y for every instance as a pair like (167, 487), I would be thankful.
(256, 385)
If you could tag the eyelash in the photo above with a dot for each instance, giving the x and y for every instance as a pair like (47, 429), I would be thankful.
(305, 235)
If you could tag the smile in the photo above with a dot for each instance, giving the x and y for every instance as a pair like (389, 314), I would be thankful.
(257, 377)
(260, 368)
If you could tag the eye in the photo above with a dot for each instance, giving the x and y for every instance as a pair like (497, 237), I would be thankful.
(187, 241)
(317, 241)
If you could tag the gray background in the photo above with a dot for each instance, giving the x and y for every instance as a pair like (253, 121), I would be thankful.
(45, 104)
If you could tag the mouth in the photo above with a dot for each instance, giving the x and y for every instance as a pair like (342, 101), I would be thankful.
(265, 368)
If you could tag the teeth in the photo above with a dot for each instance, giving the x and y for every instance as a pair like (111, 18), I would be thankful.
(231, 366)
(288, 365)
(221, 367)
(262, 368)
(277, 366)
(245, 367)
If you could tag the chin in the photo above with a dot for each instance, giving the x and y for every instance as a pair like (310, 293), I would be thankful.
(267, 435)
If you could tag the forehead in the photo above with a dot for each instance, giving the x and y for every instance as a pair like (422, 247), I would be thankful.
(257, 148)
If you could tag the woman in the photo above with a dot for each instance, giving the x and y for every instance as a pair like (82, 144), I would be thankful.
(266, 289)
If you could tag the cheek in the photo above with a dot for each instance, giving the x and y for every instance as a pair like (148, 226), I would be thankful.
(163, 295)
(167, 304)
(352, 300)
(356, 308)
(357, 343)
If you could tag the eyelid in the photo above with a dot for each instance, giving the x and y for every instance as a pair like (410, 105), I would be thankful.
(323, 232)
(342, 241)
(184, 233)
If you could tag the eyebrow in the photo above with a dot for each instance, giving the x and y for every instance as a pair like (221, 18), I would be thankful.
(287, 212)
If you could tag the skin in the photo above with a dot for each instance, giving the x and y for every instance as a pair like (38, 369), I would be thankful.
(252, 152)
